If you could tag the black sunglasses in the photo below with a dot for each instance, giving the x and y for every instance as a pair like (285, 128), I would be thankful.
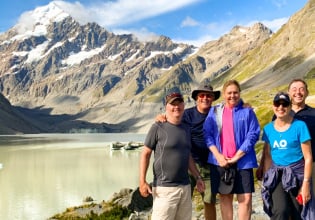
(284, 104)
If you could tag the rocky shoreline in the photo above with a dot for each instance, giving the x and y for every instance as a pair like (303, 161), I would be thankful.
(139, 208)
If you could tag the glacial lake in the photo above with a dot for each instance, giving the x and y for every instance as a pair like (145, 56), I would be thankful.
(43, 174)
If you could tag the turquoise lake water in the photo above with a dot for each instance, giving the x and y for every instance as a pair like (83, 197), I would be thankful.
(41, 175)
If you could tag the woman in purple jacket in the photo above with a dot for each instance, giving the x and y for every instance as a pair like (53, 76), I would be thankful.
(231, 132)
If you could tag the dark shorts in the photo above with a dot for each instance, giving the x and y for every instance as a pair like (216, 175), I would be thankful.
(243, 183)
(204, 171)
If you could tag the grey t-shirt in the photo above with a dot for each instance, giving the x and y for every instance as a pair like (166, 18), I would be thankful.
(171, 145)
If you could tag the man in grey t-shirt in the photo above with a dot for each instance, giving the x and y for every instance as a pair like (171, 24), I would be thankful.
(171, 144)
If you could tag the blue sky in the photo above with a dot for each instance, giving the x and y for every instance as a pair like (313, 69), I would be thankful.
(189, 21)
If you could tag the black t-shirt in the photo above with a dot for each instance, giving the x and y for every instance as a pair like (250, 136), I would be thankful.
(195, 120)
(307, 114)
(171, 145)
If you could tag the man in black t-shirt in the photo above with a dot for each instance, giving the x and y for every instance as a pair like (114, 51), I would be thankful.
(194, 117)
(171, 144)
(298, 92)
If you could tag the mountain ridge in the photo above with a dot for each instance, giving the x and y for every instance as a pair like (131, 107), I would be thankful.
(97, 81)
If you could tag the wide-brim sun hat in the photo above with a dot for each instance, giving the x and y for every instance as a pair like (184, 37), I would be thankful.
(205, 88)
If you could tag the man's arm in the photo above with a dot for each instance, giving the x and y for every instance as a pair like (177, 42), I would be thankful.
(308, 159)
(144, 187)
(194, 171)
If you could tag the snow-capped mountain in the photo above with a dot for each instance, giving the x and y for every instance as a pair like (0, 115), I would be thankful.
(94, 79)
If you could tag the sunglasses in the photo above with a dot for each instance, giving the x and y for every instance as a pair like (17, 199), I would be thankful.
(284, 104)
(202, 95)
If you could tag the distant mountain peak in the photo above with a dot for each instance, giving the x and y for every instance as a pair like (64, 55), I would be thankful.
(81, 76)
(36, 21)
(254, 29)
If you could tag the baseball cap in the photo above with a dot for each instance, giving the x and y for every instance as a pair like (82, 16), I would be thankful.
(282, 96)
(170, 98)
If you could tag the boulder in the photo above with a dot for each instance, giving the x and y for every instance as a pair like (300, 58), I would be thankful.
(131, 199)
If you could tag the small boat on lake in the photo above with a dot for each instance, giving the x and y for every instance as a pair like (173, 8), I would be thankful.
(117, 145)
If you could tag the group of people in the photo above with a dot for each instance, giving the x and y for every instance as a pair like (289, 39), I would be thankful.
(212, 148)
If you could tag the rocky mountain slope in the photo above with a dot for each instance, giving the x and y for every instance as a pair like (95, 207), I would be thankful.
(287, 54)
(12, 121)
(67, 77)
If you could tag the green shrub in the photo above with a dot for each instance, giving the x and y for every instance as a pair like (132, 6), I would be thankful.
(116, 213)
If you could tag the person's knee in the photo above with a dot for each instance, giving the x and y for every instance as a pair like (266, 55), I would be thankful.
(245, 199)
(226, 201)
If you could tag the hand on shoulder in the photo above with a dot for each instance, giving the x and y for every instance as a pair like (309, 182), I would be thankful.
(160, 118)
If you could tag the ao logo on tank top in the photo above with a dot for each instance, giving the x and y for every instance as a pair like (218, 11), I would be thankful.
(281, 145)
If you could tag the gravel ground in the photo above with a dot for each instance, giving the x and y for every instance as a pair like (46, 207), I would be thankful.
(257, 213)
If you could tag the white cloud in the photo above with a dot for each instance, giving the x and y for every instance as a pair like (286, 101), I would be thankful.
(216, 30)
(279, 3)
(141, 34)
(196, 42)
(26, 22)
(274, 24)
(111, 14)
(189, 22)
(207, 32)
